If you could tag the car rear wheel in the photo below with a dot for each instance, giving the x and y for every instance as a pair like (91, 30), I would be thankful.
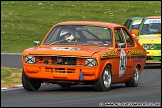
(30, 84)
(104, 82)
(133, 82)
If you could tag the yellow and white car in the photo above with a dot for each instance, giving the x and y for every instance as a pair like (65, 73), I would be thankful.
(153, 48)
(149, 36)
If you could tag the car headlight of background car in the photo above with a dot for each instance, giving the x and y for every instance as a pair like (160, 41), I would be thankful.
(152, 46)
(145, 46)
(29, 59)
(149, 46)
(91, 62)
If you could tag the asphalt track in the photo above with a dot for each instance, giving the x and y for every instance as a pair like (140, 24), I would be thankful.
(148, 92)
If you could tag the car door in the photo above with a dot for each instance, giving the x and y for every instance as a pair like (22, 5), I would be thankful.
(123, 61)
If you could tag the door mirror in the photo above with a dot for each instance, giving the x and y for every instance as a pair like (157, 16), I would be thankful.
(36, 43)
(134, 35)
(121, 45)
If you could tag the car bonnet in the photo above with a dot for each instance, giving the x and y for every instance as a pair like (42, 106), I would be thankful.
(66, 50)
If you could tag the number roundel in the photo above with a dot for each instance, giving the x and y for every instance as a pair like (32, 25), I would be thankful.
(123, 62)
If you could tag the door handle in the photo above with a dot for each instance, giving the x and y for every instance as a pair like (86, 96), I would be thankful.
(128, 51)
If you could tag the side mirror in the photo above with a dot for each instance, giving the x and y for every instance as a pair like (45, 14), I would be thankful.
(121, 45)
(133, 35)
(135, 31)
(36, 43)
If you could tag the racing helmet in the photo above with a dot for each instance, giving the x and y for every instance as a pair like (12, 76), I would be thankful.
(67, 34)
(153, 27)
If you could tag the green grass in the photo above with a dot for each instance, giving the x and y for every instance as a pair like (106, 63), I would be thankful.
(22, 22)
(10, 76)
(5, 73)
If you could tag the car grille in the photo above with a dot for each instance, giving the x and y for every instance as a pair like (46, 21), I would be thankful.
(60, 70)
(56, 60)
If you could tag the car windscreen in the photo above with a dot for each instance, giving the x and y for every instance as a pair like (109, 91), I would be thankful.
(151, 26)
(80, 34)
(135, 24)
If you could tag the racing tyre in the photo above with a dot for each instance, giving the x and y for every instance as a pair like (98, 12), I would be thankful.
(133, 82)
(30, 84)
(64, 84)
(104, 82)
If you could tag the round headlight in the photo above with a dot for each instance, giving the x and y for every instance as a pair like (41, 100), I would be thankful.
(145, 46)
(152, 46)
(29, 59)
(91, 62)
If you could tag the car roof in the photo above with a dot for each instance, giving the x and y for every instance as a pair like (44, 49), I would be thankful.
(150, 17)
(136, 18)
(95, 23)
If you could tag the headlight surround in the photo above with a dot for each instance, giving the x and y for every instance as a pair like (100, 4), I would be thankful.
(145, 46)
(91, 62)
(29, 59)
(152, 46)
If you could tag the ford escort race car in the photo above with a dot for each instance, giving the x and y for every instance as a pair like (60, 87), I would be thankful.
(84, 52)
(149, 36)
(133, 23)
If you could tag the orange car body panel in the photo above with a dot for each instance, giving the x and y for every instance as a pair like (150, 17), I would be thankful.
(104, 55)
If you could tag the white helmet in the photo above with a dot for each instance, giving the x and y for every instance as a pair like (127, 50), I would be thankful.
(153, 27)
(68, 32)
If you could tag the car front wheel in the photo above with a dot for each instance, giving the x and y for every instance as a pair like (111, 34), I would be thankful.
(30, 84)
(104, 82)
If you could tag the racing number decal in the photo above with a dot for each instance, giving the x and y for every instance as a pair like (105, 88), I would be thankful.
(123, 62)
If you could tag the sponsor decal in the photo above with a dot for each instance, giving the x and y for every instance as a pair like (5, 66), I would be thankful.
(123, 62)
(152, 21)
(112, 53)
(136, 22)
(137, 60)
(65, 48)
(148, 36)
(136, 51)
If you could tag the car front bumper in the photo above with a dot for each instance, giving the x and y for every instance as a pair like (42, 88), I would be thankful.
(61, 73)
(153, 57)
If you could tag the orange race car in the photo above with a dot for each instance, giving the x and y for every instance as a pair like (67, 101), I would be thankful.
(84, 52)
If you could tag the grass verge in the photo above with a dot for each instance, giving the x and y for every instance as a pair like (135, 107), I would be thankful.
(22, 22)
(10, 76)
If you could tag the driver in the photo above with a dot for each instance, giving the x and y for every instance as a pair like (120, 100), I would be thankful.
(153, 27)
(67, 34)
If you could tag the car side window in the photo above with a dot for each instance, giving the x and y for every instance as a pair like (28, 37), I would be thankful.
(145, 29)
(129, 40)
(119, 37)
